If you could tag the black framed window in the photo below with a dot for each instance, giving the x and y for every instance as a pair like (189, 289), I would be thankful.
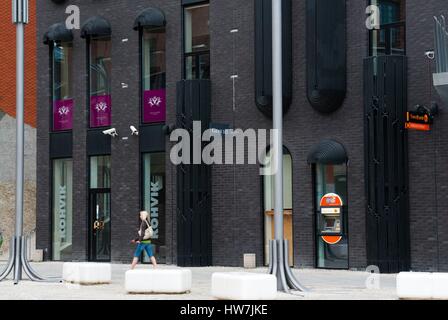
(332, 250)
(154, 200)
(391, 37)
(153, 75)
(100, 68)
(62, 204)
(62, 95)
(196, 42)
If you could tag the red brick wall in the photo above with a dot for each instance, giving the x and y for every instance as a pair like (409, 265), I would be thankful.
(8, 62)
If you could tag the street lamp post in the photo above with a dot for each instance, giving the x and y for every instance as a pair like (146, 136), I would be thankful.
(17, 257)
(279, 265)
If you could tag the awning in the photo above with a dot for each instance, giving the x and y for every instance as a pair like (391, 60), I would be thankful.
(150, 18)
(96, 27)
(58, 32)
(327, 152)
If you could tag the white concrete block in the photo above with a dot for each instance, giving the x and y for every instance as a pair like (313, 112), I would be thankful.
(415, 285)
(87, 273)
(440, 285)
(158, 281)
(244, 286)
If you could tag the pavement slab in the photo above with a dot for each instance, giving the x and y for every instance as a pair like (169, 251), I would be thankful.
(323, 285)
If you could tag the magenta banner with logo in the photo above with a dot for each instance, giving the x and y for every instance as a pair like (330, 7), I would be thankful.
(100, 111)
(154, 106)
(63, 115)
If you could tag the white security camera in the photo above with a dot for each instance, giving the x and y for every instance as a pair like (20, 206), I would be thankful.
(430, 54)
(111, 132)
(134, 131)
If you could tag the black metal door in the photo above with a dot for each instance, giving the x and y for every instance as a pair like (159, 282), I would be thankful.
(194, 234)
(386, 163)
(99, 225)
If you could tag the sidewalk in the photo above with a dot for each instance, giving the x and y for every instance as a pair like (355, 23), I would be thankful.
(324, 285)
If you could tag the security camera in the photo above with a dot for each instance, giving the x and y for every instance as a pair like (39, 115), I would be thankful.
(111, 132)
(134, 131)
(430, 54)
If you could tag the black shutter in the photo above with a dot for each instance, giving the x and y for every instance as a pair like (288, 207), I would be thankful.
(263, 55)
(326, 53)
(386, 159)
(194, 234)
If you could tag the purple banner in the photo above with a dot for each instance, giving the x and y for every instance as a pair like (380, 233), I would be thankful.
(154, 106)
(63, 115)
(100, 111)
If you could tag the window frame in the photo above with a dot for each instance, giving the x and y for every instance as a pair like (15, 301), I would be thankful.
(197, 54)
(142, 201)
(52, 206)
(51, 47)
(387, 27)
(141, 31)
(316, 212)
(89, 41)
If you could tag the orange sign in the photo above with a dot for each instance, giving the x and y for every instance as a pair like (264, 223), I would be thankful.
(331, 200)
(417, 126)
(332, 239)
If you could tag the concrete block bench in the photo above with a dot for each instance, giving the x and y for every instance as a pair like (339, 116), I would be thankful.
(169, 281)
(422, 285)
(87, 273)
(244, 286)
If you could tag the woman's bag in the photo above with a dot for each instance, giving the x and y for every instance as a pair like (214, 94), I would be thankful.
(149, 232)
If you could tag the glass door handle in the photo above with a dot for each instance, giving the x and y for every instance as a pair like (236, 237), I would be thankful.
(98, 225)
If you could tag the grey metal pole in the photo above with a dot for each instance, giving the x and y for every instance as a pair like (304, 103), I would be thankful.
(277, 88)
(20, 131)
(279, 261)
(20, 19)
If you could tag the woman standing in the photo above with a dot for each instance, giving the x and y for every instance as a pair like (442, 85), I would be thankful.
(143, 241)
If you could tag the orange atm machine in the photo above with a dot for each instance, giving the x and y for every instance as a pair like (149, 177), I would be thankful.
(331, 218)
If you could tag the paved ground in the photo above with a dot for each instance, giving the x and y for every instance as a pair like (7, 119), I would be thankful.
(323, 285)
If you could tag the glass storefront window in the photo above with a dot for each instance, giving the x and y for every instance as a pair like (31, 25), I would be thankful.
(154, 200)
(391, 37)
(62, 209)
(269, 193)
(62, 86)
(331, 179)
(100, 82)
(100, 172)
(197, 42)
(154, 75)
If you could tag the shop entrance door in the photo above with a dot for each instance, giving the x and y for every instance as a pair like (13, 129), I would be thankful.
(99, 225)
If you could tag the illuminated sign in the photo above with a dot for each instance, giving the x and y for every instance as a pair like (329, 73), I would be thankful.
(418, 120)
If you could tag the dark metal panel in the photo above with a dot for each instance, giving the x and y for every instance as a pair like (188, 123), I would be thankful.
(95, 27)
(150, 18)
(152, 138)
(192, 2)
(61, 145)
(58, 32)
(328, 151)
(326, 53)
(98, 143)
(263, 55)
(193, 180)
(387, 223)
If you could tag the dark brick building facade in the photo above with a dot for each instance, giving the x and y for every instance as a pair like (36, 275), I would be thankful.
(236, 190)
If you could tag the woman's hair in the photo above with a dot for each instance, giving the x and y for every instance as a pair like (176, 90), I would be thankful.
(144, 215)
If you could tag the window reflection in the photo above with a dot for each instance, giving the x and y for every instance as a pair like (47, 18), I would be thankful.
(197, 42)
(62, 209)
(391, 37)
